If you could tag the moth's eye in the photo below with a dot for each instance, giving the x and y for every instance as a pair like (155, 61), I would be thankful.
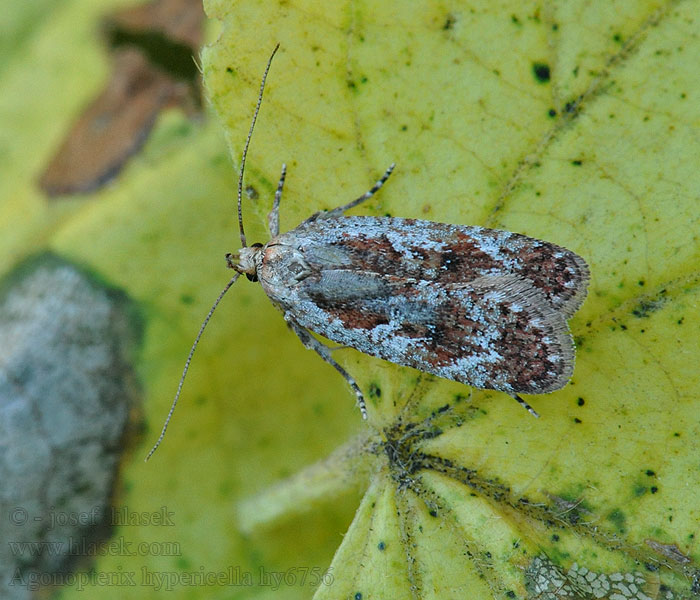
(251, 277)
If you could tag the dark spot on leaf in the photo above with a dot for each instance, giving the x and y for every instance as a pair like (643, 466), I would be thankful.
(541, 72)
(449, 22)
(375, 391)
(646, 306)
(617, 517)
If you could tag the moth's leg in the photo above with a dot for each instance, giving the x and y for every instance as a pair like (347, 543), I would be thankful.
(525, 405)
(337, 212)
(273, 217)
(325, 353)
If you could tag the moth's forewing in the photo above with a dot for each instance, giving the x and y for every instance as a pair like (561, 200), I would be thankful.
(444, 299)
(444, 253)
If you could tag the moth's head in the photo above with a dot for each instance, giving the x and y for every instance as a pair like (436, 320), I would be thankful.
(246, 261)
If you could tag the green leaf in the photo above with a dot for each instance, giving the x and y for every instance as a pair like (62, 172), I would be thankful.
(575, 124)
(601, 158)
(159, 233)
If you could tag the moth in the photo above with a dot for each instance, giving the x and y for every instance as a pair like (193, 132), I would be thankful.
(484, 307)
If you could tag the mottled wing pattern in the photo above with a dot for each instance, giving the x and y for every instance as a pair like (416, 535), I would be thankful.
(447, 254)
(484, 307)
(495, 332)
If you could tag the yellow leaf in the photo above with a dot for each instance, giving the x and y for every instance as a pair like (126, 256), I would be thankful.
(572, 123)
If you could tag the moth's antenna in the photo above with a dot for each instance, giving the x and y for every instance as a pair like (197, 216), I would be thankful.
(247, 143)
(187, 365)
(235, 277)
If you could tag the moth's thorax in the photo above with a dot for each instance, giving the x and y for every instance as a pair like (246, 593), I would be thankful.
(248, 259)
(281, 268)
